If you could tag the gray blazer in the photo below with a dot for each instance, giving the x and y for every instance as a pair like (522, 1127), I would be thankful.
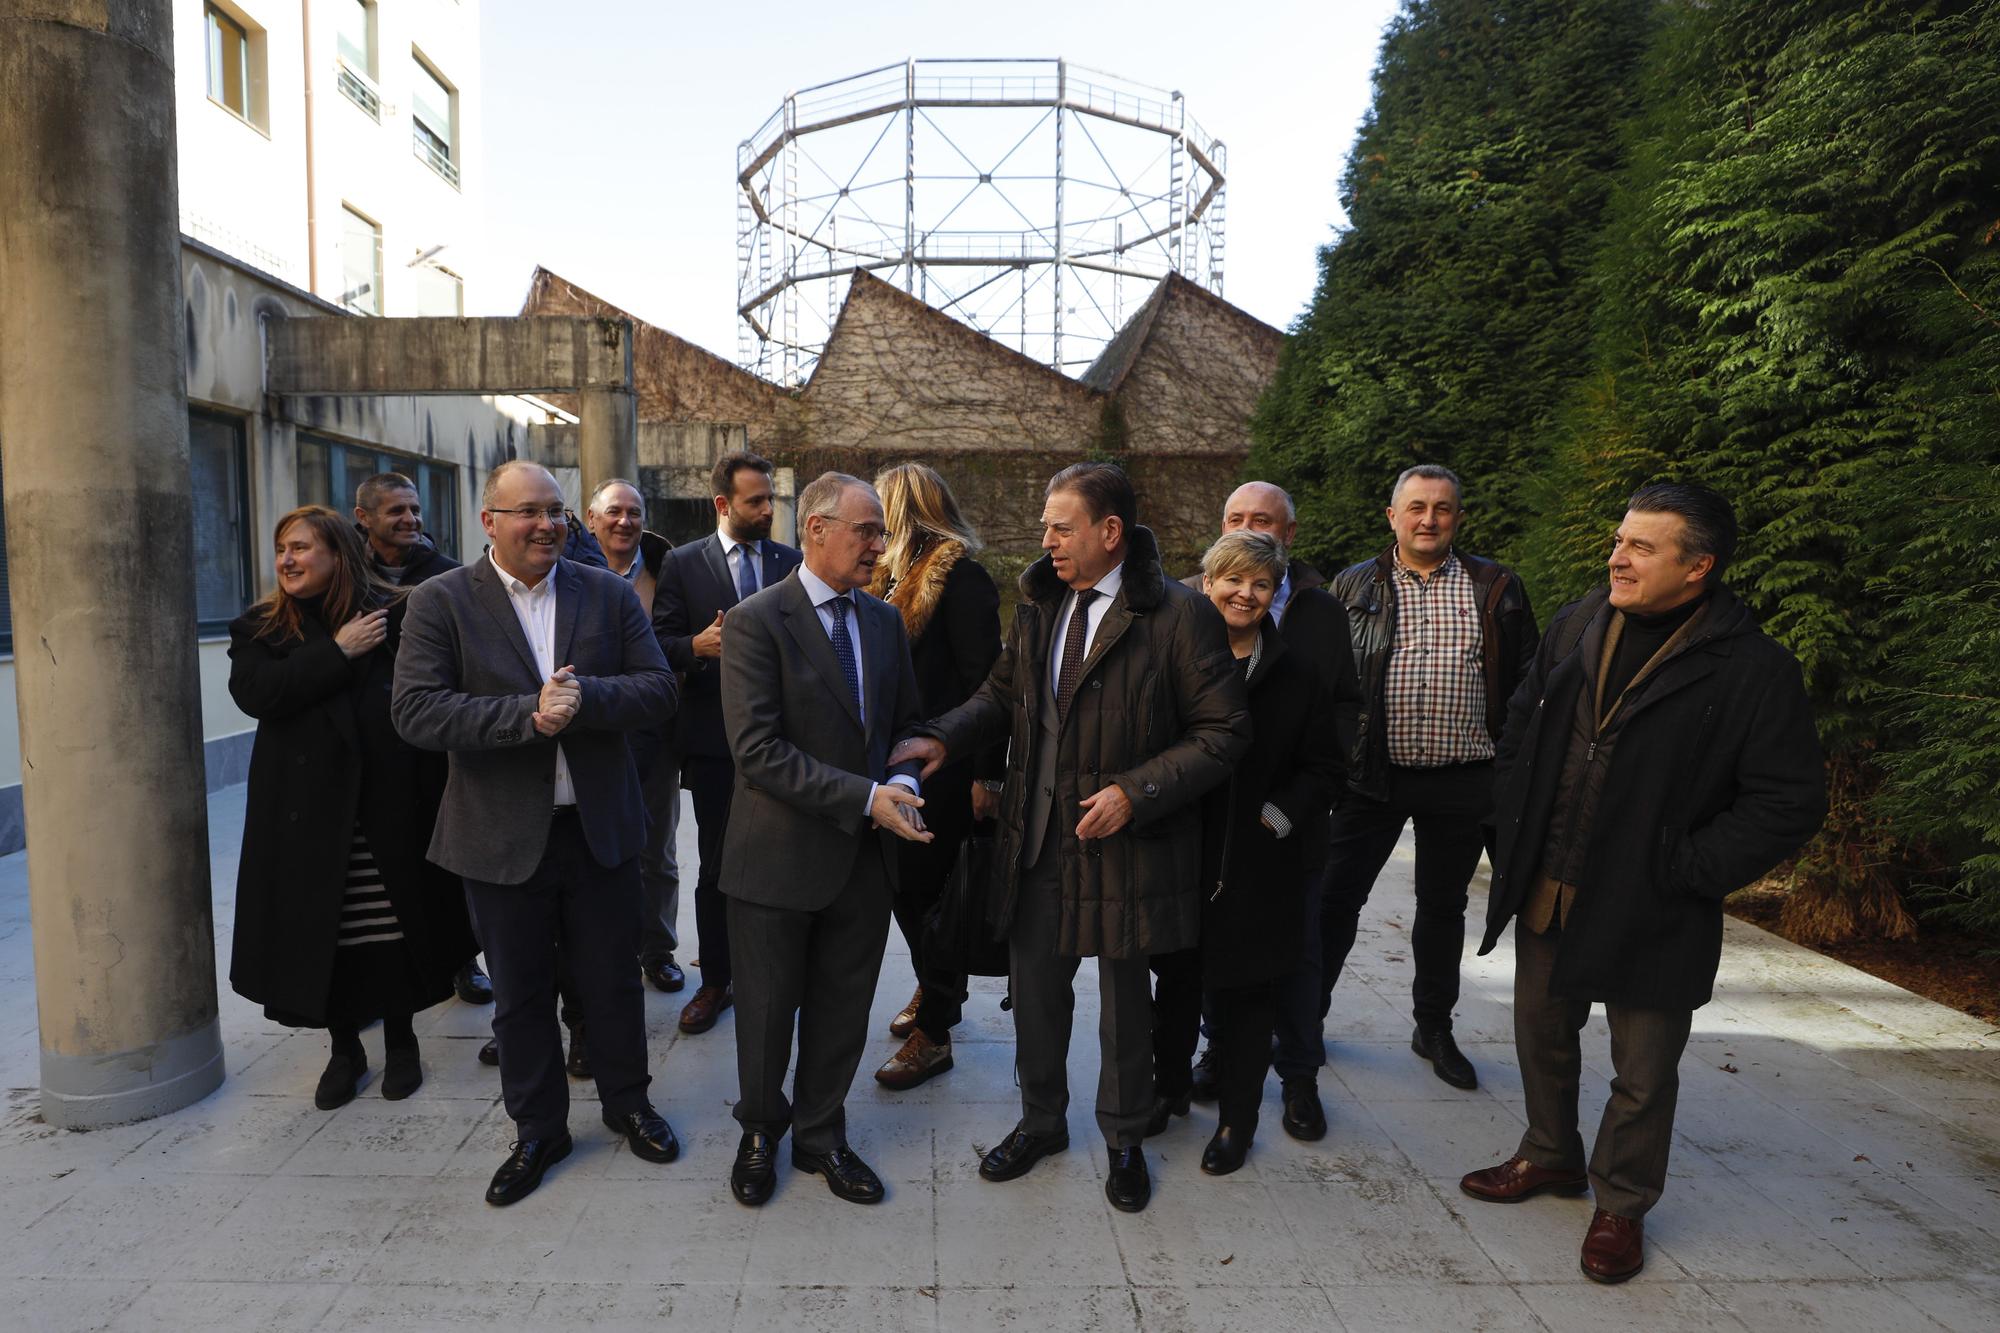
(798, 814)
(467, 683)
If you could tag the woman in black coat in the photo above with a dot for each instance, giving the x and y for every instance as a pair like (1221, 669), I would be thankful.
(951, 612)
(1257, 833)
(339, 918)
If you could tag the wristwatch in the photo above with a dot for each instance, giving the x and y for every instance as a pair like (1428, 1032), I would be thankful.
(994, 785)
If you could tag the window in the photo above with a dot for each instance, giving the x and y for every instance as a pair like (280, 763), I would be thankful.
(360, 263)
(331, 470)
(235, 64)
(218, 459)
(355, 22)
(433, 117)
(439, 291)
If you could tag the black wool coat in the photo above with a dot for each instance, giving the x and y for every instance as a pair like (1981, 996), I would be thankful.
(1253, 894)
(1716, 777)
(325, 756)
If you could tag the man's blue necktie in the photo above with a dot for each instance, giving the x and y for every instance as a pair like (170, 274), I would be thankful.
(843, 647)
(746, 580)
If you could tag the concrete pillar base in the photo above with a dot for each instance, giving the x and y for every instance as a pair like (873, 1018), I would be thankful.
(91, 1092)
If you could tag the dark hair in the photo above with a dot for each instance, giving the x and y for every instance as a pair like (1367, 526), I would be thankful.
(722, 481)
(1104, 489)
(1711, 522)
(369, 493)
(1429, 472)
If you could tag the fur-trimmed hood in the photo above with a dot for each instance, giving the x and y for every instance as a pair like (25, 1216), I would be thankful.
(919, 592)
(1145, 582)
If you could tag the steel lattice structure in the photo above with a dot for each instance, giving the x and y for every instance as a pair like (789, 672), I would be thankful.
(1037, 201)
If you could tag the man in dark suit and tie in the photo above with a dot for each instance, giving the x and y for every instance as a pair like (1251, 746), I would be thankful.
(699, 583)
(816, 685)
(530, 670)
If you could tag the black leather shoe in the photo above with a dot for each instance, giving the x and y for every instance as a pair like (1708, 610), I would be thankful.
(755, 1174)
(647, 1131)
(1207, 1070)
(664, 973)
(340, 1080)
(402, 1072)
(1305, 1118)
(846, 1174)
(472, 985)
(489, 1054)
(524, 1168)
(1225, 1152)
(1435, 1045)
(1164, 1111)
(1128, 1186)
(578, 1064)
(1020, 1151)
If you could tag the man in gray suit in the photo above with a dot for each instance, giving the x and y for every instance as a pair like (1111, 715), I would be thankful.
(816, 686)
(530, 670)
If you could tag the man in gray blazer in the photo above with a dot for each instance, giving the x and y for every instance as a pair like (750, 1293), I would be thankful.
(816, 686)
(530, 670)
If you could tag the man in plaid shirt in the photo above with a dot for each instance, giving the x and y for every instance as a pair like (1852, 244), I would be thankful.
(1441, 638)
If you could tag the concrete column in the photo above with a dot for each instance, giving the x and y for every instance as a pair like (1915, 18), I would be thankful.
(93, 410)
(607, 443)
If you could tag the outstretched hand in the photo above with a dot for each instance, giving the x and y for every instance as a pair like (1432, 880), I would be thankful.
(895, 807)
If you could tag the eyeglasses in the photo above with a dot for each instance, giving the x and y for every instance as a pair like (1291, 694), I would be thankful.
(870, 532)
(553, 513)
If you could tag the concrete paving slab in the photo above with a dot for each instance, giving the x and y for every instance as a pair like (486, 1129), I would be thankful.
(255, 1210)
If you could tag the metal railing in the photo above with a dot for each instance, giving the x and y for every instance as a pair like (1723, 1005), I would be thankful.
(434, 155)
(359, 89)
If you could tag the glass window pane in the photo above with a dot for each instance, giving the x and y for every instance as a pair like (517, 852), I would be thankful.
(438, 489)
(360, 263)
(356, 19)
(228, 61)
(430, 104)
(315, 484)
(220, 561)
(356, 466)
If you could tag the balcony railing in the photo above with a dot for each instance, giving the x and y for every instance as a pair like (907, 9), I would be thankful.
(361, 91)
(434, 155)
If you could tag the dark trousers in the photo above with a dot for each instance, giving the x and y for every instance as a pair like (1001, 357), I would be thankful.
(1299, 1020)
(711, 781)
(816, 970)
(1043, 983)
(592, 913)
(1446, 805)
(659, 864)
(1240, 1020)
(1628, 1163)
(921, 871)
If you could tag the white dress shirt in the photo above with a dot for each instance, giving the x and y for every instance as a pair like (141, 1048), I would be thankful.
(822, 593)
(1107, 590)
(535, 608)
(734, 553)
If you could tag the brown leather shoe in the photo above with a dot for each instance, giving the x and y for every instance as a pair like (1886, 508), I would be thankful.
(903, 1024)
(1614, 1248)
(920, 1060)
(1517, 1178)
(705, 1006)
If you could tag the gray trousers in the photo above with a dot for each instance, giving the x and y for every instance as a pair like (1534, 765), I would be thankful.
(816, 971)
(1628, 1163)
(659, 863)
(1043, 984)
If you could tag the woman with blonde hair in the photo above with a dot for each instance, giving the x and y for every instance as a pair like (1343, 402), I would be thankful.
(951, 611)
(339, 918)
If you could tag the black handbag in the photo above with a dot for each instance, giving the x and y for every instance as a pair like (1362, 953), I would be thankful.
(957, 933)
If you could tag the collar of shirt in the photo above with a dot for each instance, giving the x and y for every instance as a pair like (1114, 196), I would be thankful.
(1450, 565)
(630, 573)
(730, 543)
(1107, 587)
(1282, 598)
(516, 586)
(818, 589)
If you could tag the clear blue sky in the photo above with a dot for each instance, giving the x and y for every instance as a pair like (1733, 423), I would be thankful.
(612, 125)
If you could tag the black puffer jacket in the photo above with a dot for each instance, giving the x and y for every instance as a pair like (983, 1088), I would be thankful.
(1159, 711)
(1717, 776)
(1507, 644)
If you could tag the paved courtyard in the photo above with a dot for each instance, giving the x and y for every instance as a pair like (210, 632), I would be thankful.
(1836, 1166)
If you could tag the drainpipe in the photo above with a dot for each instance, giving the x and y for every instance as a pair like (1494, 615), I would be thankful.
(312, 206)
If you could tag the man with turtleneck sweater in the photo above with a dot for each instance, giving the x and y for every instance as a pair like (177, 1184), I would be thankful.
(1659, 754)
